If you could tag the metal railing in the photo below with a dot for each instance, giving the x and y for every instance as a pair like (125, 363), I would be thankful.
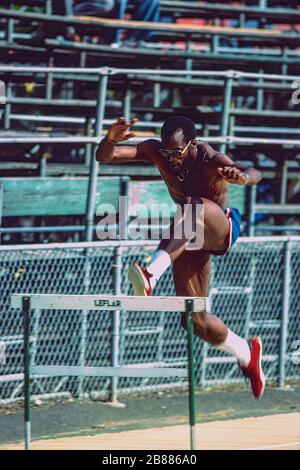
(104, 73)
(189, 30)
(280, 43)
(221, 10)
(229, 77)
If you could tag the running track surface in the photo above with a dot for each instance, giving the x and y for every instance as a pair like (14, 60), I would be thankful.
(276, 432)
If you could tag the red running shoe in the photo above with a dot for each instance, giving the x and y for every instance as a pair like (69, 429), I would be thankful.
(254, 371)
(140, 280)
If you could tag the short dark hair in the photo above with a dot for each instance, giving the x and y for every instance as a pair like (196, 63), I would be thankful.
(177, 123)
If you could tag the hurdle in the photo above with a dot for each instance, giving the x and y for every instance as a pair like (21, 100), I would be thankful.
(28, 302)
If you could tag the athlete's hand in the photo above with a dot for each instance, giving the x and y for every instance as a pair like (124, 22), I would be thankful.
(232, 175)
(119, 131)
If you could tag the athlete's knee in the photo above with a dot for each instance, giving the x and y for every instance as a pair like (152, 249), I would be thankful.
(201, 212)
(210, 209)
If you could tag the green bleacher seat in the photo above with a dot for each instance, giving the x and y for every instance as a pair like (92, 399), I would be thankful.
(23, 197)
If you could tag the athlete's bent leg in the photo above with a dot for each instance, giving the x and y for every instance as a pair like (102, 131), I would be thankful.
(191, 273)
(208, 218)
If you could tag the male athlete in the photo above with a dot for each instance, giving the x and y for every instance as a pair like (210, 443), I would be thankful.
(195, 175)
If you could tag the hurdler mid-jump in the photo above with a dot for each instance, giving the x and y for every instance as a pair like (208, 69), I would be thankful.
(196, 176)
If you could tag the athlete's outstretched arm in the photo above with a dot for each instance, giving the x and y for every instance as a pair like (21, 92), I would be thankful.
(233, 172)
(109, 152)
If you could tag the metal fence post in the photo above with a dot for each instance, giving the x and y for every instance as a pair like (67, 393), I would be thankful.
(260, 94)
(43, 163)
(91, 197)
(7, 107)
(121, 13)
(1, 205)
(226, 108)
(285, 312)
(250, 294)
(191, 370)
(82, 347)
(189, 60)
(251, 210)
(215, 45)
(10, 26)
(284, 181)
(123, 207)
(48, 7)
(49, 81)
(88, 147)
(116, 316)
(127, 104)
(156, 95)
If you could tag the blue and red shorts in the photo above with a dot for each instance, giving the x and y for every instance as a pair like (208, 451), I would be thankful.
(234, 219)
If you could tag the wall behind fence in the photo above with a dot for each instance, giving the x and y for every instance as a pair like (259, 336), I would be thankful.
(255, 290)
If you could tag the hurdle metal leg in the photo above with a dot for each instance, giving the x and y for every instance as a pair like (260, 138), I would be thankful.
(26, 326)
(191, 371)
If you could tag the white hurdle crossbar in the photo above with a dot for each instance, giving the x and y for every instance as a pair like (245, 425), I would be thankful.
(28, 302)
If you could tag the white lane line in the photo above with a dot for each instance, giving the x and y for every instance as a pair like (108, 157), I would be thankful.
(289, 444)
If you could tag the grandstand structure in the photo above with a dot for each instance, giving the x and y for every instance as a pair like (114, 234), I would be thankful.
(252, 110)
(229, 135)
(234, 68)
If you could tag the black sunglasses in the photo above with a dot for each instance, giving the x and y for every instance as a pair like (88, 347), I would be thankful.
(175, 152)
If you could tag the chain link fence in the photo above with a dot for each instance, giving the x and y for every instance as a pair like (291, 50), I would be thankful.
(255, 290)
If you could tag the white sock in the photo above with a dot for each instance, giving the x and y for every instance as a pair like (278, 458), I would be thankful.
(159, 263)
(237, 346)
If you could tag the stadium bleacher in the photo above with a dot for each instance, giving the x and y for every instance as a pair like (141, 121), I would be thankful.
(203, 44)
(252, 117)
